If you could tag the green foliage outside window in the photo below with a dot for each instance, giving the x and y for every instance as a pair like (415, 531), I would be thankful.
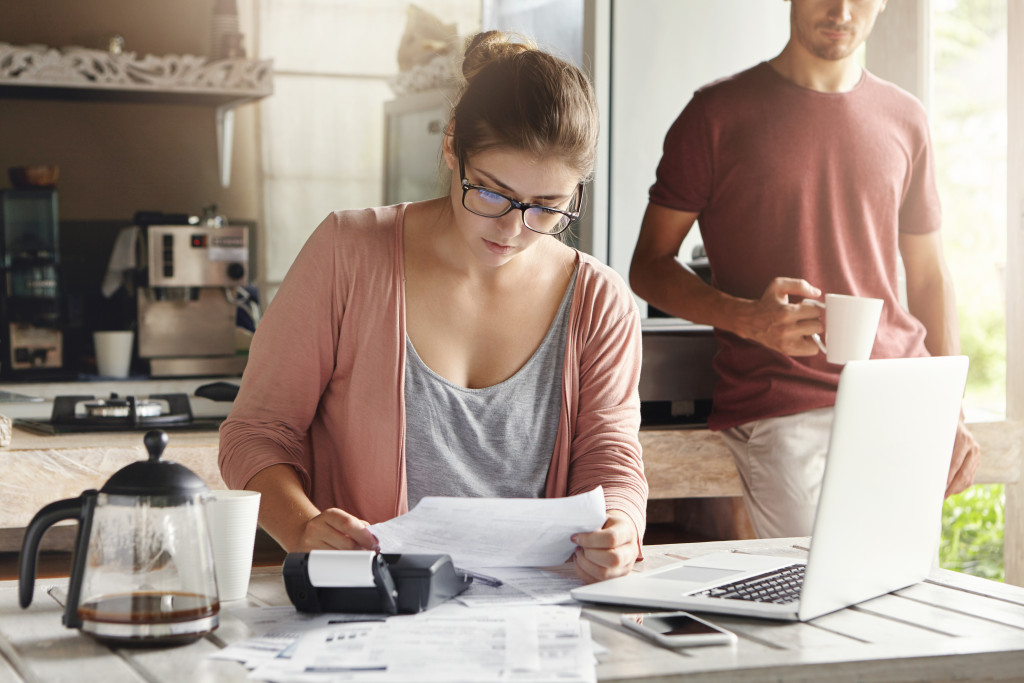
(972, 532)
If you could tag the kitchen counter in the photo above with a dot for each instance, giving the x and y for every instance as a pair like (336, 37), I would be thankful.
(39, 469)
(34, 400)
(24, 440)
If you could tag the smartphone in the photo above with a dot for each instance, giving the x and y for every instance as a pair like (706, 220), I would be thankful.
(677, 629)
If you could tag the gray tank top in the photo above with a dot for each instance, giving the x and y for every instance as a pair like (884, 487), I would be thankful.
(491, 442)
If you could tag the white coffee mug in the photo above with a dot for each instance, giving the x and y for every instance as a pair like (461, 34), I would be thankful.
(232, 516)
(850, 326)
(113, 352)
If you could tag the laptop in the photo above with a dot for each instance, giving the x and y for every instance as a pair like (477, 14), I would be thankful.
(878, 522)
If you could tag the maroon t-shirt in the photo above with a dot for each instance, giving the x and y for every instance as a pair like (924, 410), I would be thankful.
(793, 182)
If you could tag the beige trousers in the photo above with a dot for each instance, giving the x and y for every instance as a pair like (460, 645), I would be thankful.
(781, 461)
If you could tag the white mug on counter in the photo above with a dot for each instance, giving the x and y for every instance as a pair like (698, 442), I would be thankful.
(850, 326)
(113, 352)
(232, 516)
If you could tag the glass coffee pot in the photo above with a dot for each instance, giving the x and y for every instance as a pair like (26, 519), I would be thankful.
(142, 568)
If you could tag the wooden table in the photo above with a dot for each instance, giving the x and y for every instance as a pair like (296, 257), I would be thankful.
(952, 627)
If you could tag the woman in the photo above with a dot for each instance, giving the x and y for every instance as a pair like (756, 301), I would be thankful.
(453, 346)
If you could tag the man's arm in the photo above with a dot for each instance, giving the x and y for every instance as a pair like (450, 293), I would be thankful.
(657, 275)
(930, 296)
(931, 299)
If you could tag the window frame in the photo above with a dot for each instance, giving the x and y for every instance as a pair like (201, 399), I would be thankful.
(889, 57)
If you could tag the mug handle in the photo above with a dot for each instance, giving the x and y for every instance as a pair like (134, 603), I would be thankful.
(821, 345)
(816, 337)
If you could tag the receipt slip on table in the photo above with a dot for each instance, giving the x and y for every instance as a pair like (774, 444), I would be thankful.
(952, 627)
(696, 463)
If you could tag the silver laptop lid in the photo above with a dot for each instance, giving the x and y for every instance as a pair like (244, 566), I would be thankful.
(878, 523)
(877, 527)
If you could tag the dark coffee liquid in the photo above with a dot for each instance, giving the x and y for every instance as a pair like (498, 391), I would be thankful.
(148, 620)
(148, 608)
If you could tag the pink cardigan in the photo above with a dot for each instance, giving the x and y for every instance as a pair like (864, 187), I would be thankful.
(323, 390)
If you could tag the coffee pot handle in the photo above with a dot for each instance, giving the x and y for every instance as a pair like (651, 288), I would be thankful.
(72, 508)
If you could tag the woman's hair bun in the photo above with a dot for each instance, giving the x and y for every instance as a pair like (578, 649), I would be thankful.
(518, 97)
(489, 46)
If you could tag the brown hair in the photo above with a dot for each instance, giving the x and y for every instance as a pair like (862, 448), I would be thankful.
(521, 97)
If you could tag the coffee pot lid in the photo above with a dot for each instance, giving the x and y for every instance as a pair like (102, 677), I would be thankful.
(154, 477)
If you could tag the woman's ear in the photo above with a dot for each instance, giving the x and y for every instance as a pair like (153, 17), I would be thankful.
(448, 147)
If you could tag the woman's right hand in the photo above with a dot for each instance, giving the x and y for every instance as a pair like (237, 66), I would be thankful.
(287, 514)
(335, 529)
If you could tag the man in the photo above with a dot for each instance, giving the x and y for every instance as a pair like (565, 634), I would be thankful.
(808, 175)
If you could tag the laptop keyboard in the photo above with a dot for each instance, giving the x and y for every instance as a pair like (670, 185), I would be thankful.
(780, 586)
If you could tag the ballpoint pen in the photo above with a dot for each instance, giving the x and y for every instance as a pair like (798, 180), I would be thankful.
(483, 578)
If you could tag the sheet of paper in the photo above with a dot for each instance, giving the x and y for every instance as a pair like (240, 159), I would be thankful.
(449, 643)
(494, 532)
(522, 586)
(276, 629)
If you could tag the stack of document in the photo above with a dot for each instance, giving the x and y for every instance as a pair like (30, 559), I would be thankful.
(525, 634)
(449, 643)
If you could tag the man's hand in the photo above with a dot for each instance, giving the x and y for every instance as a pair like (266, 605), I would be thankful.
(782, 326)
(966, 458)
(609, 552)
(335, 529)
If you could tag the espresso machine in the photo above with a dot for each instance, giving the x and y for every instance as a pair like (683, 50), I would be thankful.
(188, 297)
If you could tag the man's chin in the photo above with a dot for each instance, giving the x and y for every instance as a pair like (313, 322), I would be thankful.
(830, 52)
(833, 54)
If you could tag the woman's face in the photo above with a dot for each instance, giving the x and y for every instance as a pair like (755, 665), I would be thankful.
(519, 175)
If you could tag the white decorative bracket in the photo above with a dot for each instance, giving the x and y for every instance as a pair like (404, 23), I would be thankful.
(225, 137)
(40, 71)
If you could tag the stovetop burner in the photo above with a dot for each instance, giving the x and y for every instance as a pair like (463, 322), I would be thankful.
(116, 414)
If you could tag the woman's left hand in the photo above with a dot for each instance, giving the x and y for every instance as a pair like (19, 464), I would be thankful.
(608, 552)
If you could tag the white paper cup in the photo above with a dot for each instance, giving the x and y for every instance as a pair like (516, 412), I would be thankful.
(232, 518)
(850, 326)
(113, 352)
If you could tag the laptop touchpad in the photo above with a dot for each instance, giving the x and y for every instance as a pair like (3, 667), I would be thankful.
(698, 574)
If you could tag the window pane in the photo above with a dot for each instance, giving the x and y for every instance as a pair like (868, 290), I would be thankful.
(324, 128)
(969, 122)
(330, 36)
(349, 36)
(322, 132)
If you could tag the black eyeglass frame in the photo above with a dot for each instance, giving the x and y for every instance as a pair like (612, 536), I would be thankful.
(516, 204)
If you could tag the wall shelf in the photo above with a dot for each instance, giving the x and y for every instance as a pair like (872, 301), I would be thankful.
(82, 74)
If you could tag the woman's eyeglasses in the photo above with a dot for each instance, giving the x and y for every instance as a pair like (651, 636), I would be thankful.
(490, 204)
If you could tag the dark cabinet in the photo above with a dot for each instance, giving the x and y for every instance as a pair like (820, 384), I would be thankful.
(31, 309)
